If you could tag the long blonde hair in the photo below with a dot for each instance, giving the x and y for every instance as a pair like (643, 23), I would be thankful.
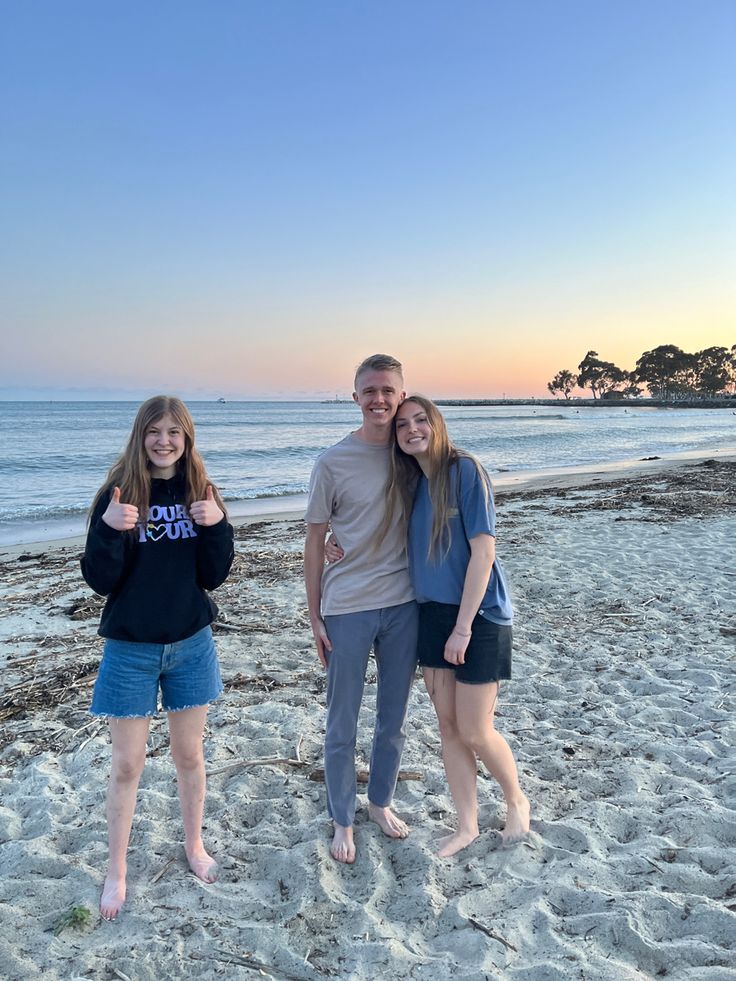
(405, 472)
(131, 472)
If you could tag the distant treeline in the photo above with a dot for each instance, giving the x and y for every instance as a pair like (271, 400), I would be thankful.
(666, 372)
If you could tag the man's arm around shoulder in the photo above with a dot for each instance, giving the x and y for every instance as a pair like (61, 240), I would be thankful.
(314, 563)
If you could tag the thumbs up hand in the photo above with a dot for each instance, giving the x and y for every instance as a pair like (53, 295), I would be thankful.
(121, 517)
(207, 512)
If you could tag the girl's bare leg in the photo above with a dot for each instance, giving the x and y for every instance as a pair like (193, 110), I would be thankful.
(186, 729)
(129, 738)
(459, 760)
(475, 706)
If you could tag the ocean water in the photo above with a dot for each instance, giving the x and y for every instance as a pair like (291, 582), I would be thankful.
(54, 455)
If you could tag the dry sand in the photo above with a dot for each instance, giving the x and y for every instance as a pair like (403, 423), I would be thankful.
(620, 715)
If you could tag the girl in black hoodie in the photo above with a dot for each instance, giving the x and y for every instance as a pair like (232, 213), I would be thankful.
(158, 538)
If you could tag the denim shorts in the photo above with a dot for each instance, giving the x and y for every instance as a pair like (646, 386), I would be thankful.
(130, 675)
(487, 656)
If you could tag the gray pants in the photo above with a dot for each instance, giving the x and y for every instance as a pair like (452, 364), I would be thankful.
(392, 633)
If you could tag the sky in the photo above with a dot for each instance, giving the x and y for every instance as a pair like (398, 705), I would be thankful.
(244, 199)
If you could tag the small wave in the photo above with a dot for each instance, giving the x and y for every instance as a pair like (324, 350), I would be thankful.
(243, 454)
(493, 417)
(46, 512)
(533, 416)
(42, 512)
(70, 462)
(244, 422)
(284, 490)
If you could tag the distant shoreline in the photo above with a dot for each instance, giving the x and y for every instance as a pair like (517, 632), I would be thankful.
(640, 403)
(723, 403)
(576, 403)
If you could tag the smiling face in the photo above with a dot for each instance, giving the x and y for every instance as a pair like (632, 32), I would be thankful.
(379, 394)
(414, 434)
(164, 443)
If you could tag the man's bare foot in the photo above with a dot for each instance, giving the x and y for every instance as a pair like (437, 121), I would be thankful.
(113, 897)
(517, 821)
(342, 848)
(455, 842)
(387, 821)
(203, 865)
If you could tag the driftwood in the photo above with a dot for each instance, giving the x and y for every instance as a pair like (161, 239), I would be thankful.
(244, 764)
(317, 775)
(362, 776)
(162, 871)
(47, 690)
(229, 957)
(489, 933)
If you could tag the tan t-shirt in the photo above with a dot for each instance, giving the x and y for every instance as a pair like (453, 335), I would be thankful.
(348, 490)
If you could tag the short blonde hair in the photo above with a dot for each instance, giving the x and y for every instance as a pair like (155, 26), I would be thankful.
(378, 362)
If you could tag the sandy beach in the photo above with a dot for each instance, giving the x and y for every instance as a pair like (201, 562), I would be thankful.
(620, 714)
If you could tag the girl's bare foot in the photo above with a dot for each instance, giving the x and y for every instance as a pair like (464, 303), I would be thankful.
(517, 821)
(113, 897)
(455, 842)
(387, 821)
(342, 848)
(203, 865)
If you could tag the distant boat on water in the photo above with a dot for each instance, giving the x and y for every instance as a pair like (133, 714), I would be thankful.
(221, 399)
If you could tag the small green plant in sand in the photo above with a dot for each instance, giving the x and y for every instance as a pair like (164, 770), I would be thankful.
(77, 917)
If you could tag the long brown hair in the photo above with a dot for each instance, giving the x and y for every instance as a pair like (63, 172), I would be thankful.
(405, 472)
(131, 472)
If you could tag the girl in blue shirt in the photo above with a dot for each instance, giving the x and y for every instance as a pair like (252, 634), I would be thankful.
(465, 612)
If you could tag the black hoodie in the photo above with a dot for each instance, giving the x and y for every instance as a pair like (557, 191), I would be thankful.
(155, 576)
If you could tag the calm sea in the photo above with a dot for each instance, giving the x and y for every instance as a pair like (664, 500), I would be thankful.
(54, 455)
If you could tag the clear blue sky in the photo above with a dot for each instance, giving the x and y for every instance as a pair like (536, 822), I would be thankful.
(247, 198)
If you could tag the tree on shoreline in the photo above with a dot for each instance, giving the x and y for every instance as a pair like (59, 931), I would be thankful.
(716, 368)
(564, 381)
(669, 372)
(658, 369)
(599, 376)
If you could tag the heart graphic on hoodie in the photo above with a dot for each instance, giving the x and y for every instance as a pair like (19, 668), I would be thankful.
(154, 532)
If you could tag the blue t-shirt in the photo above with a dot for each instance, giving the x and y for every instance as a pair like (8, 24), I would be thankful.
(441, 578)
